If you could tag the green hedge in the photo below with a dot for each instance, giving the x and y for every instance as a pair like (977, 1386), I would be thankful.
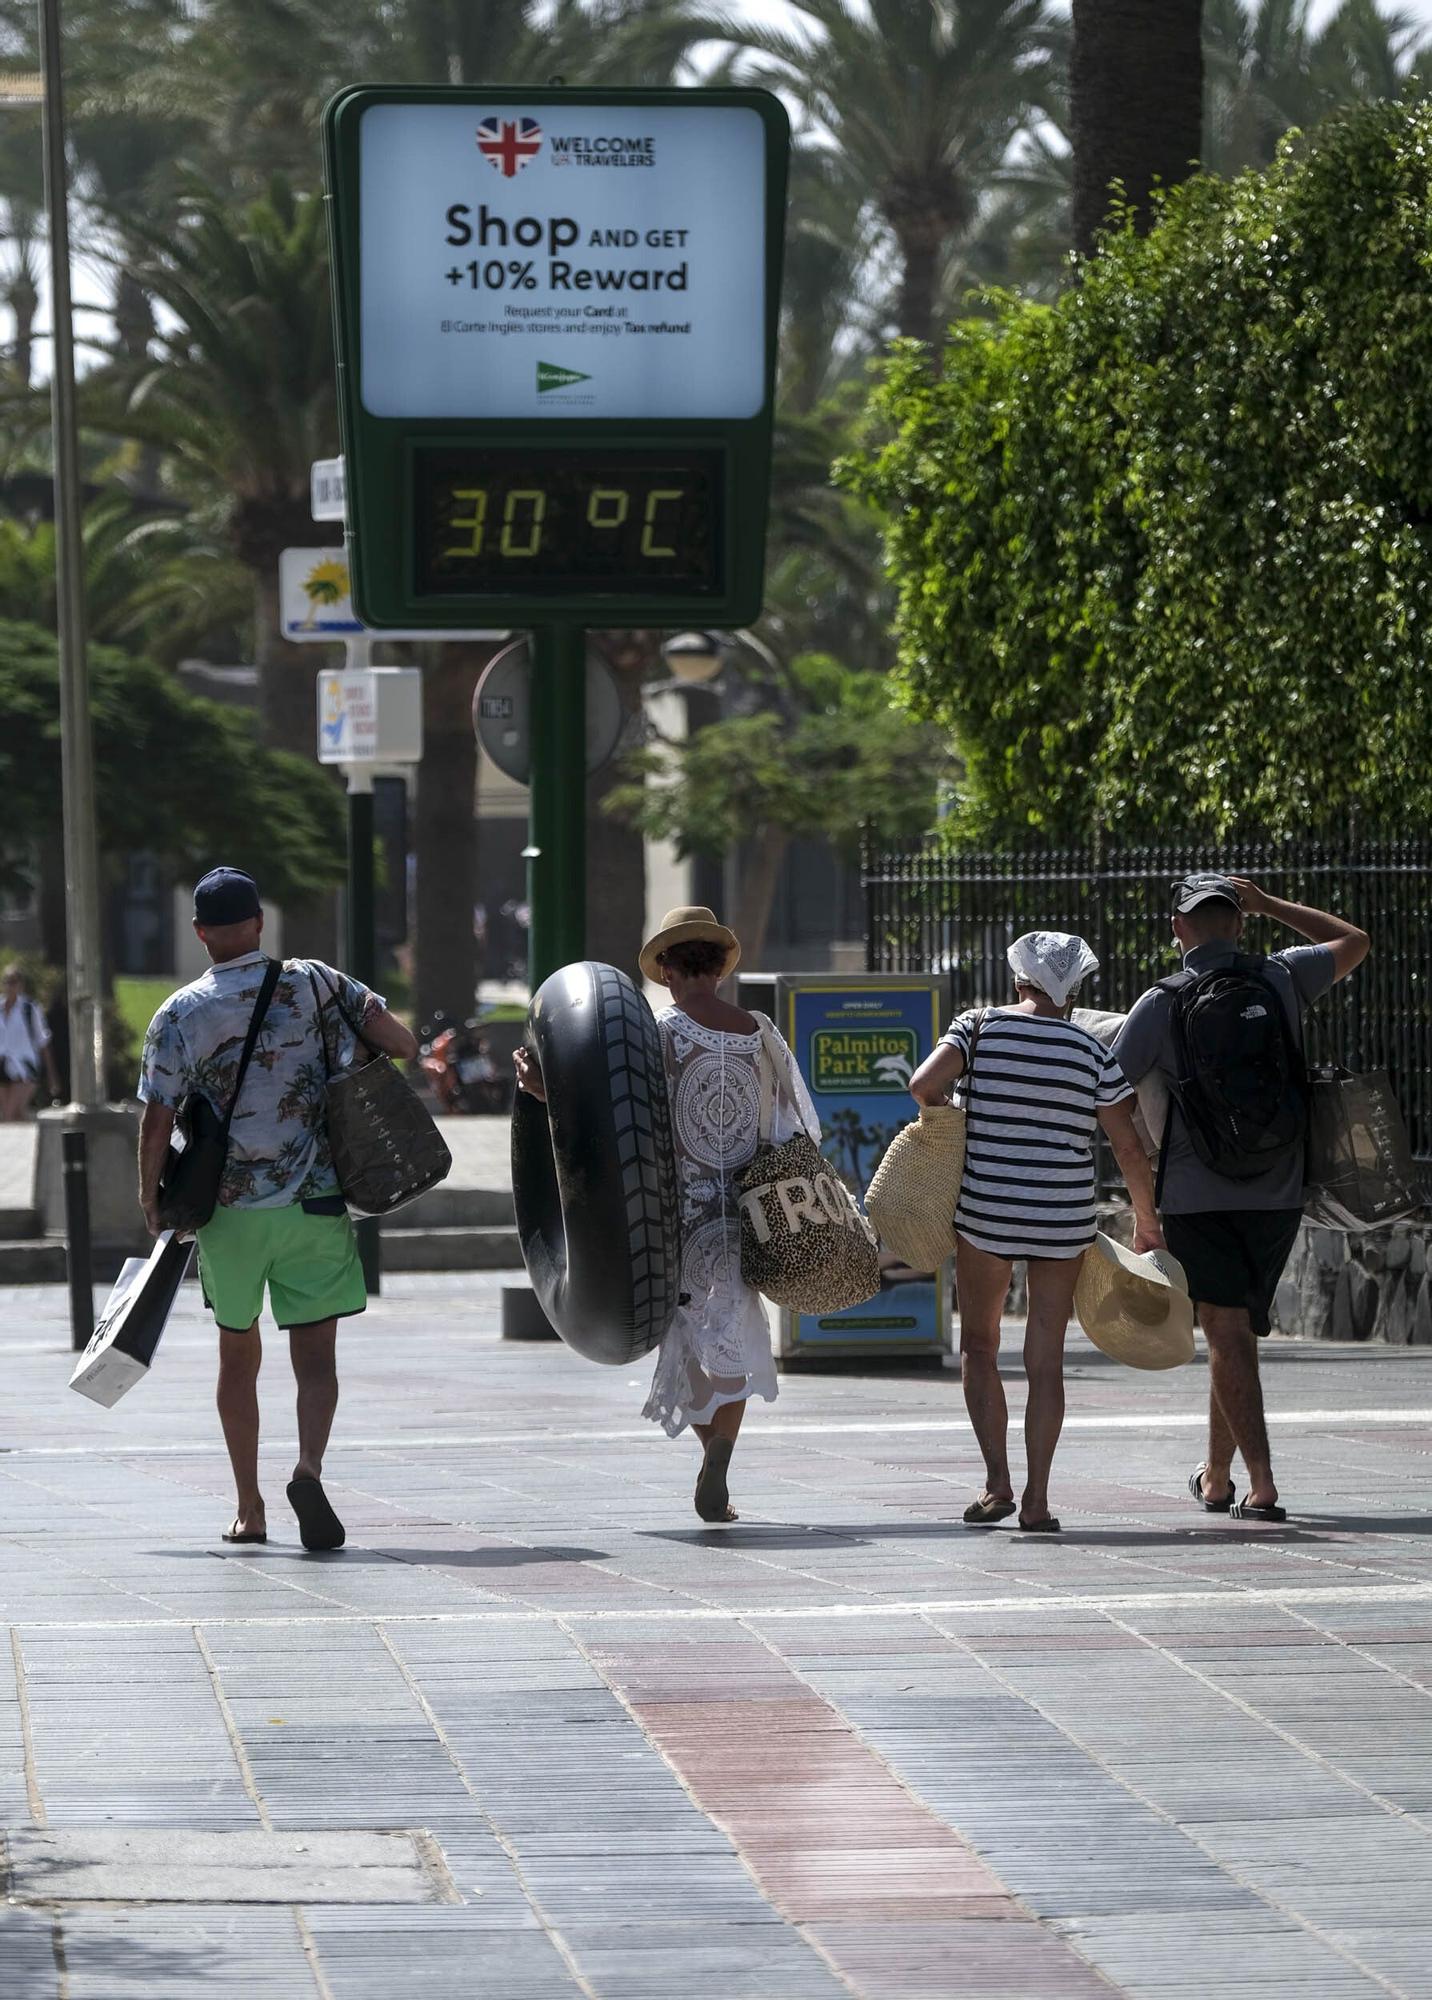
(1164, 549)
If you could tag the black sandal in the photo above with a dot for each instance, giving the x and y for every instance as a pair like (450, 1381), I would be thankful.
(1223, 1506)
(1049, 1525)
(318, 1526)
(986, 1511)
(233, 1535)
(1244, 1510)
(713, 1501)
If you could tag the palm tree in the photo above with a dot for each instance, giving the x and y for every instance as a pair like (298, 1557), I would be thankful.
(1135, 103)
(922, 99)
(1270, 71)
(239, 394)
(22, 207)
(829, 320)
(154, 583)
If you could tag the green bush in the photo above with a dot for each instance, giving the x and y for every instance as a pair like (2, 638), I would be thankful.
(1164, 549)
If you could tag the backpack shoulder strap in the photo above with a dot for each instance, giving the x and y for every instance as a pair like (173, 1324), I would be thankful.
(261, 1007)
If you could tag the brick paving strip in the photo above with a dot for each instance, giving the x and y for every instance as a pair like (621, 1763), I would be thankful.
(892, 1898)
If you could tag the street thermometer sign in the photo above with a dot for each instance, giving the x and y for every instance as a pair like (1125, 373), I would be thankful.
(556, 320)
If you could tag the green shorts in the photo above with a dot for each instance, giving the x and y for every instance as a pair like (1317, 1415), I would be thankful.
(309, 1263)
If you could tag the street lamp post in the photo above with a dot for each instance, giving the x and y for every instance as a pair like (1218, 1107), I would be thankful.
(82, 926)
(76, 741)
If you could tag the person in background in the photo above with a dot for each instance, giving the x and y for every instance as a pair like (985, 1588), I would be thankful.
(281, 1222)
(1036, 1089)
(1233, 1231)
(24, 1047)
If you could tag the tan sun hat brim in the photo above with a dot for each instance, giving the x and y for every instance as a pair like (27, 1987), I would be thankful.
(692, 925)
(1135, 1308)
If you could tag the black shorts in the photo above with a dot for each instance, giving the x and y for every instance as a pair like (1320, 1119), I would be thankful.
(1234, 1256)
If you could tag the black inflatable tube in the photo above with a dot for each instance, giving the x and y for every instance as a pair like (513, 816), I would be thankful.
(593, 1169)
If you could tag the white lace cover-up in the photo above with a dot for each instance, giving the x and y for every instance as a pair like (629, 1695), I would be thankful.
(718, 1347)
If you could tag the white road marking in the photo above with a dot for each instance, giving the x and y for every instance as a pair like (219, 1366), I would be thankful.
(1130, 1601)
(1106, 1420)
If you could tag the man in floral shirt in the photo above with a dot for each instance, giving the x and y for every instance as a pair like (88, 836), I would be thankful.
(281, 1221)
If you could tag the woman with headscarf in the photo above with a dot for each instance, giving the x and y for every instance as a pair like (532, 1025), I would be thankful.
(1035, 1088)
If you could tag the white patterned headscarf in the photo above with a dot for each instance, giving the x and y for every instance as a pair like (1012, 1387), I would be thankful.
(1054, 961)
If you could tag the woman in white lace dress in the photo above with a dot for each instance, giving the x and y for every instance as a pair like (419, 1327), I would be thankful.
(717, 1351)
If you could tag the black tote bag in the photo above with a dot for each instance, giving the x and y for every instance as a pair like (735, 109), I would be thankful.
(386, 1148)
(1360, 1171)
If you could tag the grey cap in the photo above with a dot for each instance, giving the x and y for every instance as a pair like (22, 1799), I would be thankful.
(1203, 888)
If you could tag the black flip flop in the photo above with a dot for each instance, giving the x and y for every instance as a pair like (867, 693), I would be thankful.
(713, 1501)
(986, 1511)
(1244, 1510)
(1223, 1506)
(1048, 1526)
(318, 1526)
(229, 1534)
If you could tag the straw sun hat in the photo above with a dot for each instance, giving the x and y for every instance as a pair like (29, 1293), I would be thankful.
(692, 924)
(1136, 1309)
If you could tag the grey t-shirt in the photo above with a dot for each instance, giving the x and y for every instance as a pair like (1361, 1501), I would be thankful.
(1145, 1043)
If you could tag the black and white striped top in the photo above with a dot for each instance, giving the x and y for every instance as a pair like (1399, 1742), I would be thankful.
(1032, 1101)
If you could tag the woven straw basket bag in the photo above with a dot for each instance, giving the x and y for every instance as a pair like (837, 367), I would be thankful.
(912, 1198)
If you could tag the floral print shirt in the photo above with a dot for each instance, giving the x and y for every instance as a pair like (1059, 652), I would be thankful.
(278, 1141)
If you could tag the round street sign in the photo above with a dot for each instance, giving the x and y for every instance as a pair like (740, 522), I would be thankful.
(501, 711)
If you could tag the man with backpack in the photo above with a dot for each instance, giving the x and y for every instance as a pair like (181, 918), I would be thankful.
(1225, 1036)
(253, 1041)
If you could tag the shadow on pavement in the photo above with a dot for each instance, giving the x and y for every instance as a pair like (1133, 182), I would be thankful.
(782, 1535)
(356, 1553)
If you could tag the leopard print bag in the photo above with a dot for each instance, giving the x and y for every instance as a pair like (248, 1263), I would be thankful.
(804, 1242)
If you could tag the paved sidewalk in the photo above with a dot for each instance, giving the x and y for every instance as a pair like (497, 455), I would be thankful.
(536, 1732)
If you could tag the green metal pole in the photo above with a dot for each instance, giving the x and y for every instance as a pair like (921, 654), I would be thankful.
(362, 957)
(556, 846)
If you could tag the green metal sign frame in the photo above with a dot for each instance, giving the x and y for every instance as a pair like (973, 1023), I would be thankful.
(387, 457)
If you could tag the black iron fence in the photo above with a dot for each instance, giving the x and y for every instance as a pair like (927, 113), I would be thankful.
(956, 912)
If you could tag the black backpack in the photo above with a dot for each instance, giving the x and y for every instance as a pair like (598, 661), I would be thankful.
(1242, 1083)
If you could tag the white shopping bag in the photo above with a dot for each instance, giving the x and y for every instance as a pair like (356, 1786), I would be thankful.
(135, 1315)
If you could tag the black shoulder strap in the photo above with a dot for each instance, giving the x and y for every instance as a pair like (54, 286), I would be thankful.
(980, 1019)
(256, 1020)
(343, 1014)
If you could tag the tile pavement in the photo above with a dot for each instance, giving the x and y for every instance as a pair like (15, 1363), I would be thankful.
(846, 1747)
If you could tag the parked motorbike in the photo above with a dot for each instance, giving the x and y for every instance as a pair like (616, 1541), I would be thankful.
(461, 1071)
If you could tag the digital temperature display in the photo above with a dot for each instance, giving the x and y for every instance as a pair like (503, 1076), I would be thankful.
(512, 521)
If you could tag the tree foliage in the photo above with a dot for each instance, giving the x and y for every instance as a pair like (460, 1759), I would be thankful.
(831, 757)
(175, 775)
(1164, 549)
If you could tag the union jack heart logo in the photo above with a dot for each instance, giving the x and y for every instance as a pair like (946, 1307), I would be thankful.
(509, 143)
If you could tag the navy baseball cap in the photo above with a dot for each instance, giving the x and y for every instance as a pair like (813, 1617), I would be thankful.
(1205, 888)
(226, 896)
